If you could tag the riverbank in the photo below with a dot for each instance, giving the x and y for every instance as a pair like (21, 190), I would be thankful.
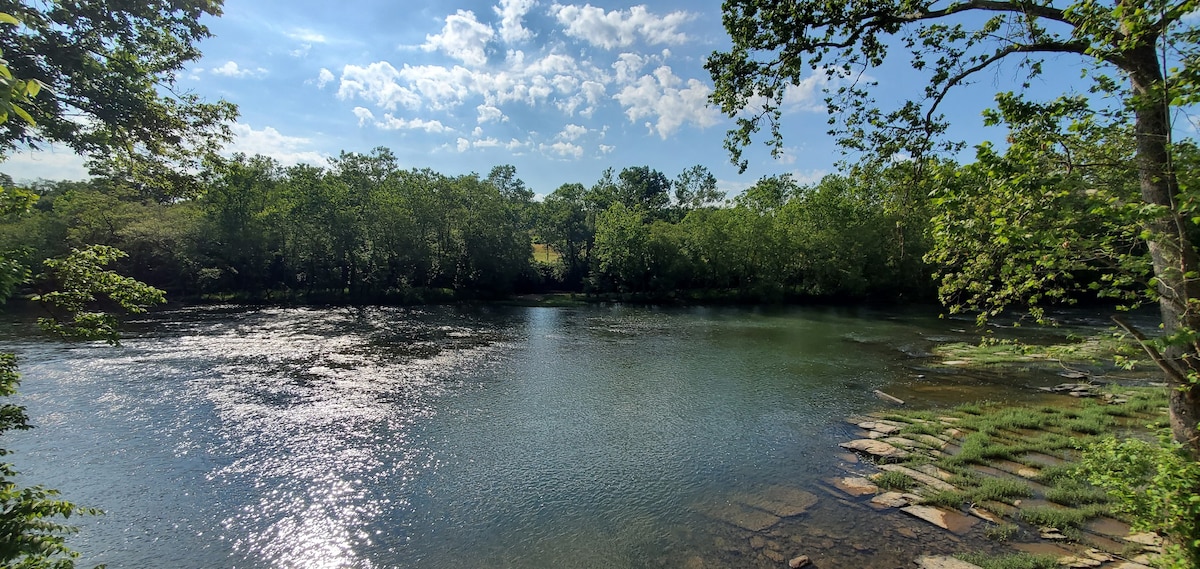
(1009, 474)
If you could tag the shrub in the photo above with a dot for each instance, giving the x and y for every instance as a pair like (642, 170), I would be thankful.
(1158, 485)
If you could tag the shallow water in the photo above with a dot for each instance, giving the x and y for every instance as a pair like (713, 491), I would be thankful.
(600, 436)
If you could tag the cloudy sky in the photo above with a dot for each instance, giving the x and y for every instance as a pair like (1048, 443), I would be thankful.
(559, 90)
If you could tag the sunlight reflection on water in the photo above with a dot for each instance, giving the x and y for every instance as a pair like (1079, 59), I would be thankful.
(444, 437)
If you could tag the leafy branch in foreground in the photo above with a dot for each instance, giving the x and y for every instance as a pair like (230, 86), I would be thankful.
(1159, 485)
(83, 284)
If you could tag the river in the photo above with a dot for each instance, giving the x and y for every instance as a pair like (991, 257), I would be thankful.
(600, 436)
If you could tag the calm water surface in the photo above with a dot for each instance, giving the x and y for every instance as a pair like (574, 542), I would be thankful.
(451, 437)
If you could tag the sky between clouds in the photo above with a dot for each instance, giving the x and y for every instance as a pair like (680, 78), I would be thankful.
(559, 90)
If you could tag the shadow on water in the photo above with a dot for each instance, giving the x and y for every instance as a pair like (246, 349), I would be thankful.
(602, 436)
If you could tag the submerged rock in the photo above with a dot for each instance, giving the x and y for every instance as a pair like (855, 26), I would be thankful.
(855, 485)
(742, 516)
(781, 501)
(945, 519)
(799, 561)
(891, 500)
(943, 562)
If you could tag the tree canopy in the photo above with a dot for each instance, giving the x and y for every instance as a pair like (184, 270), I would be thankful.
(106, 74)
(1143, 58)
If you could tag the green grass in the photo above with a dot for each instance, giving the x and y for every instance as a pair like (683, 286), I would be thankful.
(979, 490)
(1002, 532)
(1062, 519)
(1098, 348)
(898, 481)
(1001, 490)
(1015, 561)
(1051, 475)
(1071, 492)
(951, 499)
(995, 431)
(545, 253)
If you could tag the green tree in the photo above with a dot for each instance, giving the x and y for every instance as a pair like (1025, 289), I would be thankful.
(563, 225)
(775, 43)
(696, 188)
(109, 73)
(104, 64)
(621, 255)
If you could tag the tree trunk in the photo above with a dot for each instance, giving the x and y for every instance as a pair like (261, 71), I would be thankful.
(1171, 250)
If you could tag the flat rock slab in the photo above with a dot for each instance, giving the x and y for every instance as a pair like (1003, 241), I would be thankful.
(945, 519)
(1107, 527)
(930, 441)
(1147, 538)
(855, 485)
(1016, 468)
(879, 426)
(934, 471)
(781, 501)
(943, 562)
(877, 449)
(902, 442)
(891, 500)
(985, 515)
(742, 516)
(1079, 562)
(935, 483)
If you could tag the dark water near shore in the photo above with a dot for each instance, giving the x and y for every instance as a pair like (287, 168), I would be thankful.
(468, 436)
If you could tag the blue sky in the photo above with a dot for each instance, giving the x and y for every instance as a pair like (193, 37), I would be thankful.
(560, 90)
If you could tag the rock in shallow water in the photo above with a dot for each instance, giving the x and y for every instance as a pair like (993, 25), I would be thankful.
(799, 561)
(945, 519)
(855, 485)
(943, 562)
(877, 449)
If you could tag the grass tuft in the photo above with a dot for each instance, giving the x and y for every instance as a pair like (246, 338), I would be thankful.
(898, 481)
(1014, 561)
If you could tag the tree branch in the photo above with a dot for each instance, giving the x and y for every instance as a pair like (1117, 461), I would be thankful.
(1162, 362)
(993, 6)
(1043, 47)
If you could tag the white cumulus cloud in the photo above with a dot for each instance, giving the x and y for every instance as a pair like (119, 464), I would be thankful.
(512, 13)
(287, 150)
(324, 77)
(390, 122)
(620, 28)
(489, 113)
(232, 69)
(670, 100)
(364, 115)
(572, 132)
(463, 37)
(377, 83)
(562, 149)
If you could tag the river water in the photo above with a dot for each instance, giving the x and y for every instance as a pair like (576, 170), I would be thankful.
(600, 436)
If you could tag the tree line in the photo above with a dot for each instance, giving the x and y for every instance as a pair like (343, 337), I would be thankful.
(363, 229)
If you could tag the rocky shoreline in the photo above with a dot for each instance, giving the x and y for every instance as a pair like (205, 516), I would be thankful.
(891, 445)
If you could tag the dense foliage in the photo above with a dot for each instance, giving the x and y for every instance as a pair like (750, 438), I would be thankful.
(1143, 59)
(1158, 485)
(364, 230)
(98, 77)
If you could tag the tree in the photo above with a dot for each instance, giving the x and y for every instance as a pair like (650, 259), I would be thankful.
(109, 75)
(104, 64)
(696, 188)
(776, 42)
(563, 224)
